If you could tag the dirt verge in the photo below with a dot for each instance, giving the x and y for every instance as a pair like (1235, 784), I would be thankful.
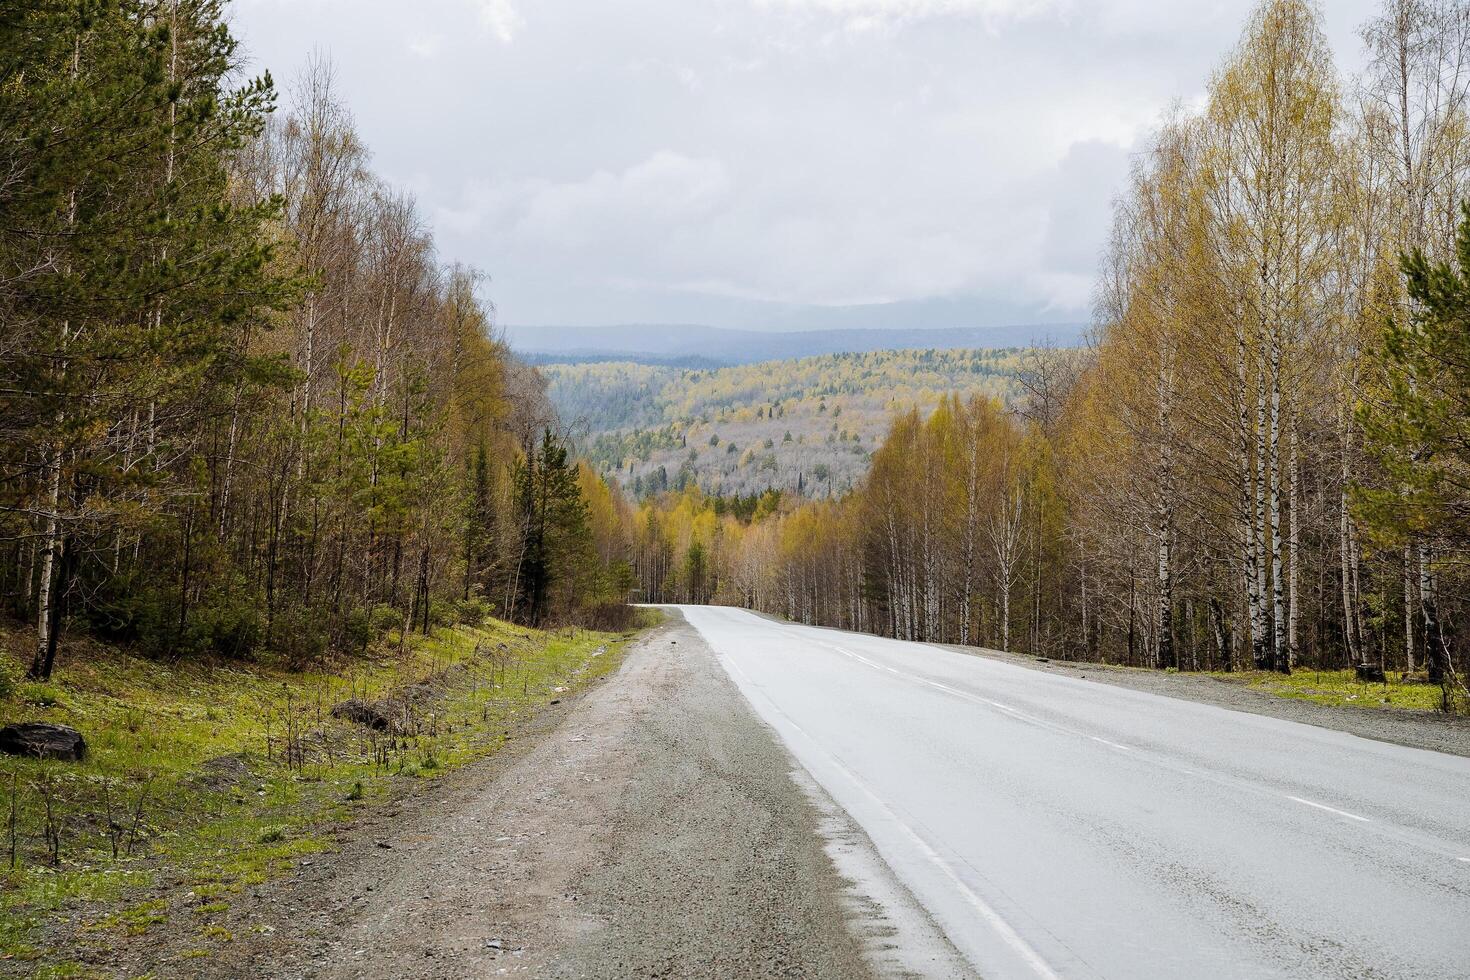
(650, 827)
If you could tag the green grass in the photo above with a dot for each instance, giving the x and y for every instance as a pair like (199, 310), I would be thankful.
(217, 776)
(1341, 688)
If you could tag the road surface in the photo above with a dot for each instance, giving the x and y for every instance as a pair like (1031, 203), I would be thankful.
(1055, 827)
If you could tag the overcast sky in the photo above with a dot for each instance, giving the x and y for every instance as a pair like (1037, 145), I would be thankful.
(765, 162)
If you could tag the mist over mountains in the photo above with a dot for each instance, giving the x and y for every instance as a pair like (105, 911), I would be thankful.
(701, 346)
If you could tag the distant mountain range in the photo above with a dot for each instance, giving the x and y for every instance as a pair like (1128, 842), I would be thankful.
(698, 346)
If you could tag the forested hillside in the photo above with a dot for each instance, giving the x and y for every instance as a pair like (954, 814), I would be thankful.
(245, 406)
(1260, 464)
(807, 426)
(267, 472)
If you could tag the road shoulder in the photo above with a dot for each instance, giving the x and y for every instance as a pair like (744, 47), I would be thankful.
(1413, 729)
(656, 827)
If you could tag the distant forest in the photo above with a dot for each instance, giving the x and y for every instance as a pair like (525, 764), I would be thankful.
(808, 427)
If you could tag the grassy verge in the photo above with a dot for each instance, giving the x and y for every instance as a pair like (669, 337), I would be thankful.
(1342, 689)
(203, 779)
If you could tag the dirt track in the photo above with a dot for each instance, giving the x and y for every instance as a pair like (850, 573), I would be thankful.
(654, 828)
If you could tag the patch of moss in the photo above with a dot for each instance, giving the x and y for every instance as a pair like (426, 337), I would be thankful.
(1342, 689)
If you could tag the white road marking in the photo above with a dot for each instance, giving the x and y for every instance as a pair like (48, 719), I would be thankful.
(992, 918)
(1120, 748)
(915, 678)
(1023, 716)
(1329, 809)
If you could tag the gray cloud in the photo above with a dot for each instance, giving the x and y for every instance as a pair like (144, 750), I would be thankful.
(718, 160)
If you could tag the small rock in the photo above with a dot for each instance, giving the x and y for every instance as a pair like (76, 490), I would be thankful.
(377, 715)
(43, 740)
(224, 773)
(384, 845)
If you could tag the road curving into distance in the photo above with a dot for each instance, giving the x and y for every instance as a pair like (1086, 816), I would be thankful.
(1055, 827)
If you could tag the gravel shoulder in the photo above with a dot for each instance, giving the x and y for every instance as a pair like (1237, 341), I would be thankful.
(652, 826)
(1414, 729)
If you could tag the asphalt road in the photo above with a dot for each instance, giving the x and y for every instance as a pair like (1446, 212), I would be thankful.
(1054, 827)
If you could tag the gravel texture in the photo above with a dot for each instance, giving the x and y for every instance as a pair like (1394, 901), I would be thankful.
(651, 827)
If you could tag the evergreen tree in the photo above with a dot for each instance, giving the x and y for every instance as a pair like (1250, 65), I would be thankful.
(557, 538)
(1420, 425)
(128, 276)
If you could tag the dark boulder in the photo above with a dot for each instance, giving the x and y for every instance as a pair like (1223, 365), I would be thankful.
(43, 740)
(1370, 673)
(377, 715)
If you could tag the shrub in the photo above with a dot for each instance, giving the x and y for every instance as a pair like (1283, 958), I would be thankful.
(228, 624)
(40, 694)
(299, 636)
(385, 618)
(271, 835)
(10, 676)
(472, 611)
(443, 613)
(356, 631)
(611, 617)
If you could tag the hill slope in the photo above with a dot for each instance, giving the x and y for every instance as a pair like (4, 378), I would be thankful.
(807, 425)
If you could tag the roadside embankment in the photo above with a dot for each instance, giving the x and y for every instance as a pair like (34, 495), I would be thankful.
(203, 780)
(650, 826)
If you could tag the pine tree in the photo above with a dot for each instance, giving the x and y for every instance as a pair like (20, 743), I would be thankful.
(557, 536)
(129, 274)
(1419, 427)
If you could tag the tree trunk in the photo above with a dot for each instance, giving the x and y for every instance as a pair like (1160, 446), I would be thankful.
(1279, 658)
(1408, 608)
(1434, 650)
(1293, 514)
(1351, 640)
(972, 507)
(50, 554)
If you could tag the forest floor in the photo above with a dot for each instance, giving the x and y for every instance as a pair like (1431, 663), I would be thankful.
(205, 781)
(1399, 712)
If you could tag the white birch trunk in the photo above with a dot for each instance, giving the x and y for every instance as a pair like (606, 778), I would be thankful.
(1294, 533)
(1278, 597)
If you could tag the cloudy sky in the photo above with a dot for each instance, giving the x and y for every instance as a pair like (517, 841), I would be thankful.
(765, 163)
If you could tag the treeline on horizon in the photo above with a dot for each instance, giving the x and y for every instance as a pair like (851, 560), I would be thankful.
(244, 405)
(1260, 459)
